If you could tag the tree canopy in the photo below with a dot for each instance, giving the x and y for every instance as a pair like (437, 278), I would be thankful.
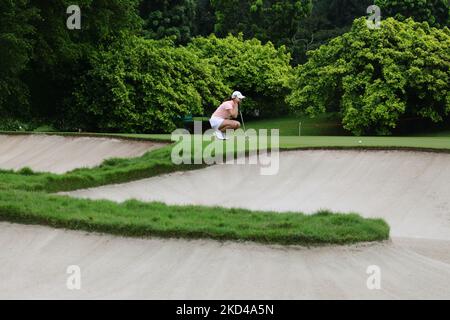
(259, 70)
(375, 77)
(16, 47)
(139, 85)
(435, 12)
(285, 55)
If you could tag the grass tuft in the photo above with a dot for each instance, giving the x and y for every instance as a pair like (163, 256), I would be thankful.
(136, 219)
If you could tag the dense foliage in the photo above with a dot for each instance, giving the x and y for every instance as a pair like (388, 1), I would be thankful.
(265, 20)
(139, 85)
(16, 46)
(40, 57)
(299, 25)
(260, 71)
(375, 77)
(164, 18)
(435, 12)
(72, 79)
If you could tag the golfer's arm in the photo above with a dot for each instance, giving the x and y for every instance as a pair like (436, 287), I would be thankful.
(234, 112)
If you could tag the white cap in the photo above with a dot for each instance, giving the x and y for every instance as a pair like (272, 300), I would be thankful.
(238, 95)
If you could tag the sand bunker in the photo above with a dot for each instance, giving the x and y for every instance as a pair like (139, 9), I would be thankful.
(35, 259)
(57, 154)
(408, 189)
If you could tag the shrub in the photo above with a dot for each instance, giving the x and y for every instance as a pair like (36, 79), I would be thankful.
(8, 124)
(259, 71)
(376, 77)
(139, 85)
(435, 12)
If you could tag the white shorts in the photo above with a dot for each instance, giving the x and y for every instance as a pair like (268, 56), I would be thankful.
(216, 122)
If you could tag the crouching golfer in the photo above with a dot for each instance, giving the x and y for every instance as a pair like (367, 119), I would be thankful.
(220, 120)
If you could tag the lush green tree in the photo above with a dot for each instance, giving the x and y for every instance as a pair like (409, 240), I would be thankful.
(174, 18)
(376, 77)
(278, 21)
(266, 20)
(60, 55)
(435, 12)
(16, 33)
(138, 85)
(259, 71)
(341, 13)
(327, 20)
(299, 25)
(205, 18)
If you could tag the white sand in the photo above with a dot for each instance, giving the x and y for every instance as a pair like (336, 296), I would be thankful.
(34, 261)
(409, 189)
(57, 154)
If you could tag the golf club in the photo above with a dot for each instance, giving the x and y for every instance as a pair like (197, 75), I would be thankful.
(243, 125)
(242, 120)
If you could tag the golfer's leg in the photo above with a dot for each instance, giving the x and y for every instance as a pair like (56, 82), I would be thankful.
(229, 124)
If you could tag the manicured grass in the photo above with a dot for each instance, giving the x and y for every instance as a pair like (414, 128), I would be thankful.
(329, 124)
(111, 171)
(436, 142)
(321, 125)
(427, 143)
(138, 219)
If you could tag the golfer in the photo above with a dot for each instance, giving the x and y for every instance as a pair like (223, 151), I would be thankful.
(221, 118)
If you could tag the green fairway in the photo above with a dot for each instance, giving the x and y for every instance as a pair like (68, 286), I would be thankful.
(291, 142)
(322, 125)
(441, 143)
(432, 141)
(330, 125)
